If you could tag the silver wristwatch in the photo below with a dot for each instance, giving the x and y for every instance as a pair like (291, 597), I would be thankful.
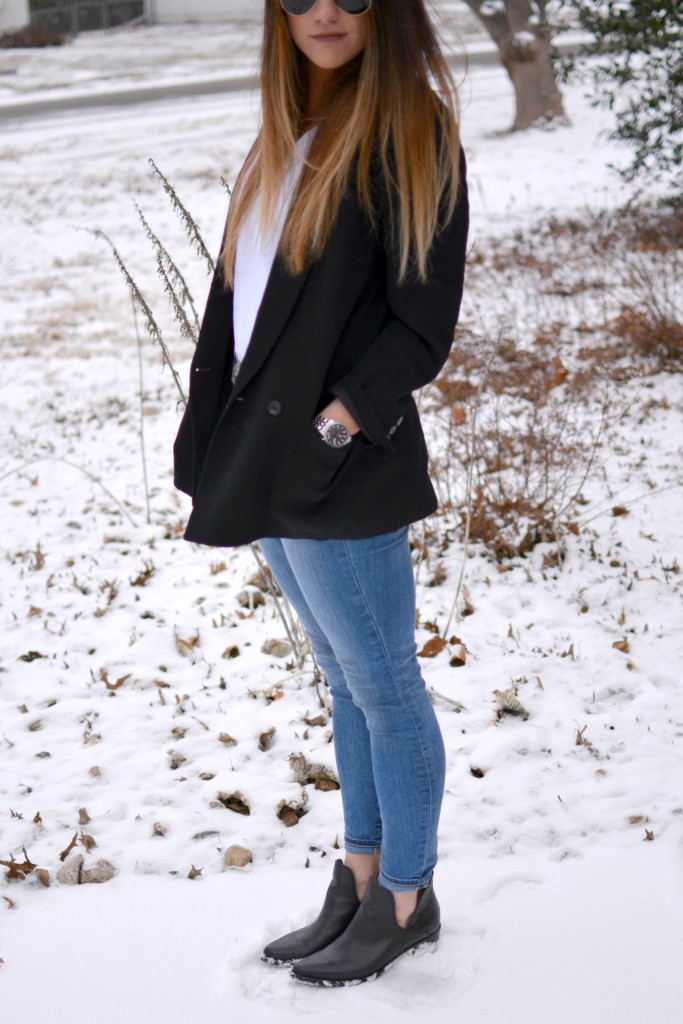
(333, 433)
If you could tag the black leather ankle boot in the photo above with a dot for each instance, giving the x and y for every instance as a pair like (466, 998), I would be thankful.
(373, 940)
(338, 910)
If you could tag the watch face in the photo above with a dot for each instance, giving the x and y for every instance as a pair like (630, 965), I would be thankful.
(337, 435)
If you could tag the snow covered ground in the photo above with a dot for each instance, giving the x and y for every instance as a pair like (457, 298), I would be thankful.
(133, 684)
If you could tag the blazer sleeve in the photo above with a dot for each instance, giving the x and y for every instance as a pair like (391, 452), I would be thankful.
(414, 343)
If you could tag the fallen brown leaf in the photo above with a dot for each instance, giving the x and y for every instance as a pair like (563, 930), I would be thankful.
(509, 703)
(317, 720)
(186, 646)
(265, 740)
(65, 853)
(31, 656)
(104, 676)
(289, 813)
(18, 869)
(87, 841)
(144, 575)
(234, 802)
(432, 647)
(459, 656)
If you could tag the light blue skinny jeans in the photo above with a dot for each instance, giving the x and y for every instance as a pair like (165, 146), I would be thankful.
(356, 601)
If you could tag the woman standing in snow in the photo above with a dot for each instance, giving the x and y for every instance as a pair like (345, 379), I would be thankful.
(335, 298)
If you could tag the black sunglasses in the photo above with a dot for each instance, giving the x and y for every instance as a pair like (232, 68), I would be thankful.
(299, 7)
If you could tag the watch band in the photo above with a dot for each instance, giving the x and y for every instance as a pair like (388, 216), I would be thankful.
(333, 433)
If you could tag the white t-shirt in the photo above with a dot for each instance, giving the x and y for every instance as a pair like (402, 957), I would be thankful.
(254, 255)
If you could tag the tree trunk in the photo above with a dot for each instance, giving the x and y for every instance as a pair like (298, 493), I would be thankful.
(527, 61)
(524, 49)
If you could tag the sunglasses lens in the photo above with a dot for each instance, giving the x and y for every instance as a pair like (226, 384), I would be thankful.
(297, 7)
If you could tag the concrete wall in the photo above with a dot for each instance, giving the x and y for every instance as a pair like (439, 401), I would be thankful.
(13, 14)
(173, 11)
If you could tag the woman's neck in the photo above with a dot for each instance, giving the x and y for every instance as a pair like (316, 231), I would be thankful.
(318, 82)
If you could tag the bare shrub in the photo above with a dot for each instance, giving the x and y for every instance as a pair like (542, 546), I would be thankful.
(522, 408)
(516, 475)
(31, 36)
(185, 314)
(658, 338)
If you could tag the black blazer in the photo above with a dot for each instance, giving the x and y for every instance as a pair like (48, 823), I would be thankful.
(248, 454)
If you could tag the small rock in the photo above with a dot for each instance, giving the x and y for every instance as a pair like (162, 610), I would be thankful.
(70, 871)
(225, 738)
(95, 771)
(102, 872)
(43, 876)
(277, 648)
(158, 829)
(83, 816)
(237, 857)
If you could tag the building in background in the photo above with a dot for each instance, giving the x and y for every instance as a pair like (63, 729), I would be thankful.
(13, 14)
(73, 16)
(167, 11)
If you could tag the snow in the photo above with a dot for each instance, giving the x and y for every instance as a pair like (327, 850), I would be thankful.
(556, 905)
(164, 53)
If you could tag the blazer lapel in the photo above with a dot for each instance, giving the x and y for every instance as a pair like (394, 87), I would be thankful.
(279, 299)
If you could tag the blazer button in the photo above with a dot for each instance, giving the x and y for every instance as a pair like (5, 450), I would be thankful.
(274, 408)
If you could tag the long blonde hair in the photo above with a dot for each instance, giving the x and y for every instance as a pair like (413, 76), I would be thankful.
(380, 103)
